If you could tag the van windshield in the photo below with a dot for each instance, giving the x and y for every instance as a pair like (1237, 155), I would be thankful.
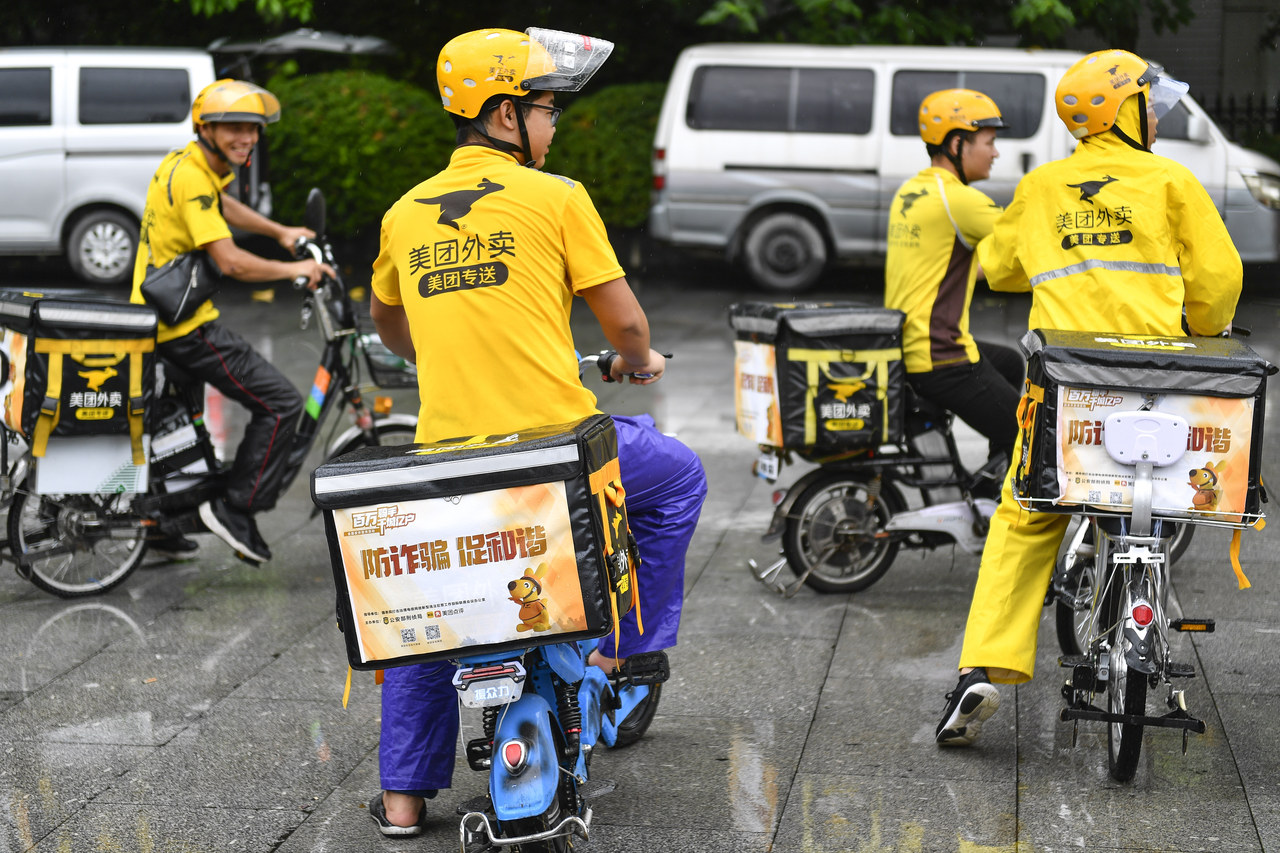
(1019, 96)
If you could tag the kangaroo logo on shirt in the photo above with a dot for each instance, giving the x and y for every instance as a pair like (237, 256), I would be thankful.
(909, 199)
(1089, 189)
(457, 204)
(206, 201)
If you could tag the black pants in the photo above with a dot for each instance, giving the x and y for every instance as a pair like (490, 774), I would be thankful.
(223, 359)
(983, 394)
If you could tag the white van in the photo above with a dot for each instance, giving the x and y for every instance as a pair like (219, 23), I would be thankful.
(82, 131)
(785, 157)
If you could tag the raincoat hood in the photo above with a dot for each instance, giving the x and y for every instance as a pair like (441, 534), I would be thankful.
(1130, 121)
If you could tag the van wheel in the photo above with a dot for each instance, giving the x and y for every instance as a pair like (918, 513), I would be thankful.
(785, 252)
(103, 246)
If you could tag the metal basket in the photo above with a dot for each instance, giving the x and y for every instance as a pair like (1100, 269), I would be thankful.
(386, 369)
(1198, 517)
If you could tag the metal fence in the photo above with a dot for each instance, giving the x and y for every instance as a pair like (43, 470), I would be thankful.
(1246, 118)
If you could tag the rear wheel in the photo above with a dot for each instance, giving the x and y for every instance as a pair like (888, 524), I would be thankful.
(75, 545)
(1126, 693)
(784, 252)
(535, 825)
(836, 530)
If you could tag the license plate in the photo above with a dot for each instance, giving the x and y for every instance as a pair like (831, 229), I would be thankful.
(766, 467)
(489, 684)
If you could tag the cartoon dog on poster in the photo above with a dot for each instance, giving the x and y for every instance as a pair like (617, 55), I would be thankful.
(1207, 490)
(527, 592)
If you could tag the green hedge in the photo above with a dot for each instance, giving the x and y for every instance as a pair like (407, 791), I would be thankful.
(364, 139)
(605, 140)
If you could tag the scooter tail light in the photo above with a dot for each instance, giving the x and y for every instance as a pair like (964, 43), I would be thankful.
(515, 756)
(778, 495)
(1142, 614)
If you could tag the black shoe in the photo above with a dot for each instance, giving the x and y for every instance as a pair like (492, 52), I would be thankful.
(236, 528)
(173, 548)
(971, 704)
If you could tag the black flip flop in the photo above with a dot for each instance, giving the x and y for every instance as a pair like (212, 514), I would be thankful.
(378, 812)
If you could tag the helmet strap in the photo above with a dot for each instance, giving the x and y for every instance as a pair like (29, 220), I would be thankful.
(1142, 127)
(211, 146)
(957, 159)
(478, 125)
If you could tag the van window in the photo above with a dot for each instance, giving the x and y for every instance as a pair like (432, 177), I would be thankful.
(1019, 96)
(26, 97)
(808, 100)
(134, 95)
(1174, 123)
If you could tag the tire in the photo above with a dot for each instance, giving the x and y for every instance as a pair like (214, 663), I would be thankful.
(102, 247)
(1180, 541)
(784, 252)
(534, 825)
(641, 717)
(97, 562)
(1072, 619)
(838, 511)
(1126, 694)
(386, 434)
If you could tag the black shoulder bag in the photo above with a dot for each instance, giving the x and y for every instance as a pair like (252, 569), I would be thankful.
(179, 287)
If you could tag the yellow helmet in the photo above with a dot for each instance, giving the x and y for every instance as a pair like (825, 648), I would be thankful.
(956, 109)
(477, 65)
(1090, 93)
(234, 100)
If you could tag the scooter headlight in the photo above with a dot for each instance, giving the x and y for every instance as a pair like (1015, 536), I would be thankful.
(1264, 187)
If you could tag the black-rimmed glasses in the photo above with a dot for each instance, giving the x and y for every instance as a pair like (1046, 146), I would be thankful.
(555, 111)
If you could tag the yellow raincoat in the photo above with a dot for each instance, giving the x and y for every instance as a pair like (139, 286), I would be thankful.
(1110, 239)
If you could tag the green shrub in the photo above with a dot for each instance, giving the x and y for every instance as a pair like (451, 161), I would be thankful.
(363, 139)
(605, 140)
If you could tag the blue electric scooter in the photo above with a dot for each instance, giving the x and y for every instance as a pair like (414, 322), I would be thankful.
(544, 711)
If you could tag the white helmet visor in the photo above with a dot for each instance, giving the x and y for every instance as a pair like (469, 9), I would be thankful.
(1165, 93)
(576, 58)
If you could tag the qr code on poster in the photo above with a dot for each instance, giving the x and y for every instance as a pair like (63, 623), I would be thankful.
(431, 632)
(408, 635)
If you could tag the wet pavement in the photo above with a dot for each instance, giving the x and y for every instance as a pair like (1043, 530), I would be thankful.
(198, 706)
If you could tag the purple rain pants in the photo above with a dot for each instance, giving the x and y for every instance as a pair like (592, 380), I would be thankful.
(665, 487)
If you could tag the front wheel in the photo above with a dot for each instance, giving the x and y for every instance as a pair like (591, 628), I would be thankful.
(835, 532)
(384, 432)
(102, 246)
(75, 545)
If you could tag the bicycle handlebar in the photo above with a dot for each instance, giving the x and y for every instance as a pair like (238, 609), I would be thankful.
(603, 361)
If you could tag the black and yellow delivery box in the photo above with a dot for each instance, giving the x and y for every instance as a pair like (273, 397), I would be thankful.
(76, 367)
(478, 545)
(818, 377)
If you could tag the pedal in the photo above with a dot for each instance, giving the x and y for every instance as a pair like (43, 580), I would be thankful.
(1173, 669)
(646, 668)
(481, 804)
(593, 788)
(1202, 625)
(479, 756)
(1072, 661)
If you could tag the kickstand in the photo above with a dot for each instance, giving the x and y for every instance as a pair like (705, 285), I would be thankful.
(769, 577)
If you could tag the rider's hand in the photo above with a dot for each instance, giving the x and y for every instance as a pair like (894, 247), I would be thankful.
(313, 271)
(648, 373)
(290, 235)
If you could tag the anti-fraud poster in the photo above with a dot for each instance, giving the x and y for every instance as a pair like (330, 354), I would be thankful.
(1212, 477)
(756, 392)
(446, 573)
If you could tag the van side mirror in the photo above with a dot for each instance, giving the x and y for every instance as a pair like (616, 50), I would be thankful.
(1198, 129)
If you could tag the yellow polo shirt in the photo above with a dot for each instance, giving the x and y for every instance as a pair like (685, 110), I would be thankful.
(183, 213)
(486, 257)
